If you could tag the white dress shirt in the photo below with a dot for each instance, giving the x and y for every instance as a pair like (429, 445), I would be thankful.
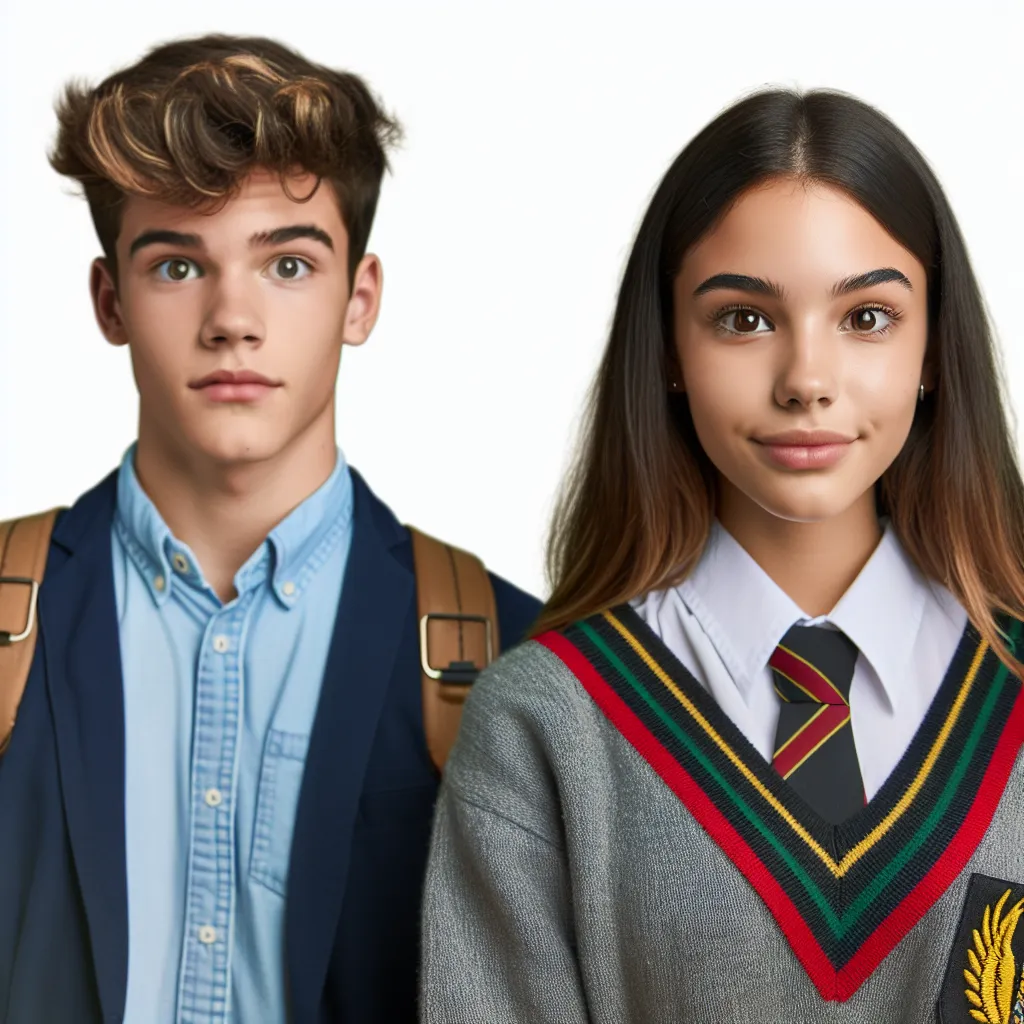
(724, 621)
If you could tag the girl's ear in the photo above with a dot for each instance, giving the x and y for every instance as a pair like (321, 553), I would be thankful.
(674, 374)
(929, 374)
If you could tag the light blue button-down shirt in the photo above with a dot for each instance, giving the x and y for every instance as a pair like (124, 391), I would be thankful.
(219, 704)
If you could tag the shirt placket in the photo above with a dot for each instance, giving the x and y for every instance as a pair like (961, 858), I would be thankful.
(210, 893)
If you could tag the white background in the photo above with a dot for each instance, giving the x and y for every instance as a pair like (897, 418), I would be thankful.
(535, 134)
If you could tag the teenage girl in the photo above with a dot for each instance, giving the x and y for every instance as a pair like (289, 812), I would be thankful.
(760, 763)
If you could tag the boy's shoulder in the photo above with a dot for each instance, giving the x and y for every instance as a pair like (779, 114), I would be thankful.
(517, 609)
(89, 511)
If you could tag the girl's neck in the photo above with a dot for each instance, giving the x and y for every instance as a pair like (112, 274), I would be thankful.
(814, 563)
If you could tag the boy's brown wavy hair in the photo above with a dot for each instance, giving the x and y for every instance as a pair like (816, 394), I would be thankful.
(193, 118)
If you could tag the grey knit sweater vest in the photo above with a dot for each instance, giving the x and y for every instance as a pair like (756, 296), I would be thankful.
(610, 849)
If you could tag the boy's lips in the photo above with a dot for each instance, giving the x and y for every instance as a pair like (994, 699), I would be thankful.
(234, 386)
(233, 377)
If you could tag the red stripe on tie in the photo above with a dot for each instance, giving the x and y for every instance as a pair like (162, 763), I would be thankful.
(813, 735)
(816, 683)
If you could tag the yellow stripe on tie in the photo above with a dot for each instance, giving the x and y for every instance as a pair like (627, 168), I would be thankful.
(814, 668)
(802, 689)
(845, 721)
(817, 714)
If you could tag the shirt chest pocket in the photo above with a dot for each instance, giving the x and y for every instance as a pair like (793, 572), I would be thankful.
(284, 759)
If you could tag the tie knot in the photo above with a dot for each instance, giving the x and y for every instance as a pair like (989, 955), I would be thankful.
(814, 664)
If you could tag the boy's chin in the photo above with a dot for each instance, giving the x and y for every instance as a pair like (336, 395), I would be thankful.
(239, 450)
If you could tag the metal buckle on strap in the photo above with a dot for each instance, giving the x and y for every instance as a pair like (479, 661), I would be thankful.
(458, 673)
(12, 638)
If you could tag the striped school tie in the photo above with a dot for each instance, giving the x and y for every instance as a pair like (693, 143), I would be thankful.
(812, 668)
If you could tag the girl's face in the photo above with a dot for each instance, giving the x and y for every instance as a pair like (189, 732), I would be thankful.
(800, 329)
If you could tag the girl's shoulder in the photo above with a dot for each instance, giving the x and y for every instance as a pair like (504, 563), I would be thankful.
(524, 714)
(528, 684)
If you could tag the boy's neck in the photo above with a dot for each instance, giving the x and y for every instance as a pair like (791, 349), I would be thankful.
(224, 512)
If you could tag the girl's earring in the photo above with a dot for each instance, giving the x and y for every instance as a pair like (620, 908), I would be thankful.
(920, 393)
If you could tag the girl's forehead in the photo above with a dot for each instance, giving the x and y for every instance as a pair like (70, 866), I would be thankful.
(802, 235)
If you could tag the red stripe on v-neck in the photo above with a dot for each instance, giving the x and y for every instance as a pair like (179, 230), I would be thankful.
(801, 939)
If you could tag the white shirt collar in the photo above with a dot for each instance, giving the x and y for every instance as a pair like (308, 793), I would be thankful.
(745, 613)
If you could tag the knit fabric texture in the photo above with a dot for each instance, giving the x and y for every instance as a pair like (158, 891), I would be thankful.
(609, 848)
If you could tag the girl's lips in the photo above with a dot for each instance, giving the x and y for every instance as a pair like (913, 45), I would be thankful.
(806, 437)
(806, 456)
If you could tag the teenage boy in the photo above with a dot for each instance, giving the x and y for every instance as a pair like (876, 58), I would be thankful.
(216, 800)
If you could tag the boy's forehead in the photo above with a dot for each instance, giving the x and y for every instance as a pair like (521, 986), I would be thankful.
(263, 201)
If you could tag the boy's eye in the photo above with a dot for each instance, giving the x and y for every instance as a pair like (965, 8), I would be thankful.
(291, 268)
(175, 269)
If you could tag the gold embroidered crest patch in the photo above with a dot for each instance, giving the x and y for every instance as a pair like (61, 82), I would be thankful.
(985, 974)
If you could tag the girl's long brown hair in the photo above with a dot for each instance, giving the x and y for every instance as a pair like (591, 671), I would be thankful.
(636, 508)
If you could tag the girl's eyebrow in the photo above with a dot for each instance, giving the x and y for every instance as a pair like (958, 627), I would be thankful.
(881, 276)
(741, 283)
(762, 286)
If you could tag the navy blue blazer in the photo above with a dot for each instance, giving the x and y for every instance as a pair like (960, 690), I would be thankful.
(362, 823)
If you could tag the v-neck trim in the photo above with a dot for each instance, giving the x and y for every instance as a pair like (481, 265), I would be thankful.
(844, 895)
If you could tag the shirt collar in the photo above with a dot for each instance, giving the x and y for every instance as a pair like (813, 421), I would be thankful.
(882, 612)
(745, 613)
(292, 553)
(304, 539)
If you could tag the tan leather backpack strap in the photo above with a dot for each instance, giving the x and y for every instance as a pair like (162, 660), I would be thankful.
(458, 624)
(24, 544)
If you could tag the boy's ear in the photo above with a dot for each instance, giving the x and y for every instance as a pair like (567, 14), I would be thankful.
(364, 302)
(105, 302)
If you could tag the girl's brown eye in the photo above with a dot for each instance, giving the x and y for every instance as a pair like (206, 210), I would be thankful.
(870, 321)
(742, 321)
(746, 320)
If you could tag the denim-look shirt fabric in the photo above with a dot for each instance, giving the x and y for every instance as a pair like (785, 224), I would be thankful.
(219, 702)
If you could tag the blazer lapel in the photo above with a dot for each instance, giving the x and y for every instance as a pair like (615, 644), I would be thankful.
(375, 601)
(78, 628)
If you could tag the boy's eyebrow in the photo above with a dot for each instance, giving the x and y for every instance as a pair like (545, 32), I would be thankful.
(881, 276)
(742, 283)
(164, 237)
(261, 238)
(281, 235)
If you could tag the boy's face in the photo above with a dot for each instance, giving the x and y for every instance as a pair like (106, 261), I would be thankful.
(235, 320)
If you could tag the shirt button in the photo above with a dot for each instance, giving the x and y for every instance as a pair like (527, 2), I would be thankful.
(289, 589)
(159, 582)
(207, 935)
(180, 562)
(221, 643)
(214, 797)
